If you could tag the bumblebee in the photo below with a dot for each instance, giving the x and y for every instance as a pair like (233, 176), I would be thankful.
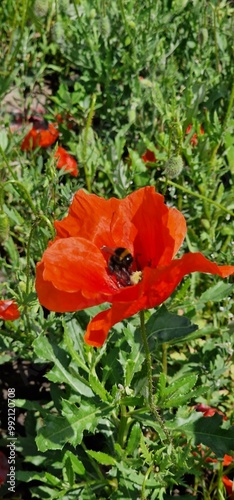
(119, 264)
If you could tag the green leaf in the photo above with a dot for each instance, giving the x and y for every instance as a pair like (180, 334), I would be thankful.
(208, 431)
(101, 458)
(76, 463)
(55, 433)
(52, 352)
(134, 439)
(3, 139)
(178, 392)
(98, 388)
(44, 477)
(132, 401)
(69, 472)
(167, 327)
(74, 343)
(217, 292)
(84, 418)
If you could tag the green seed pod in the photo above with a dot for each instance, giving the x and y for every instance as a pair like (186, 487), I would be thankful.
(205, 223)
(4, 227)
(174, 166)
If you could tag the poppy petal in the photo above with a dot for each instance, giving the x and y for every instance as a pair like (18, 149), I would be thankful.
(149, 157)
(99, 326)
(227, 460)
(9, 310)
(48, 136)
(31, 141)
(161, 282)
(74, 265)
(156, 286)
(101, 221)
(66, 161)
(229, 485)
(58, 300)
(160, 230)
(40, 137)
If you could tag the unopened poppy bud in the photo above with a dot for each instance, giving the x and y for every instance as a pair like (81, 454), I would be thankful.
(205, 223)
(174, 166)
(4, 227)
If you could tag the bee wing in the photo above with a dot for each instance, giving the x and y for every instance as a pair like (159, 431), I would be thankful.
(108, 250)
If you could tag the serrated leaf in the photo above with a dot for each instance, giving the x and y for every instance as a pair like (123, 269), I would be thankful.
(54, 434)
(217, 292)
(178, 392)
(145, 452)
(52, 352)
(14, 215)
(69, 472)
(101, 458)
(72, 335)
(134, 439)
(98, 388)
(167, 327)
(76, 463)
(86, 417)
(182, 384)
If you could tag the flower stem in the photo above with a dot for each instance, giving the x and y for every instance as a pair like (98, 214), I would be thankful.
(152, 406)
(85, 143)
(225, 125)
(164, 357)
(205, 198)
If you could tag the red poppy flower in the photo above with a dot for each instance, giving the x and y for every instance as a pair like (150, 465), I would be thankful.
(194, 138)
(40, 135)
(149, 157)
(9, 310)
(229, 485)
(66, 161)
(4, 468)
(74, 272)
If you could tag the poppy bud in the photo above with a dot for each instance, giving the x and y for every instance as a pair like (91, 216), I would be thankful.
(4, 227)
(174, 166)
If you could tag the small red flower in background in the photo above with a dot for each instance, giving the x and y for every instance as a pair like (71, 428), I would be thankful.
(229, 485)
(66, 161)
(149, 157)
(208, 411)
(41, 135)
(194, 138)
(4, 468)
(9, 310)
(74, 273)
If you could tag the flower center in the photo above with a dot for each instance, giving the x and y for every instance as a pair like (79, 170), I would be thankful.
(120, 265)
